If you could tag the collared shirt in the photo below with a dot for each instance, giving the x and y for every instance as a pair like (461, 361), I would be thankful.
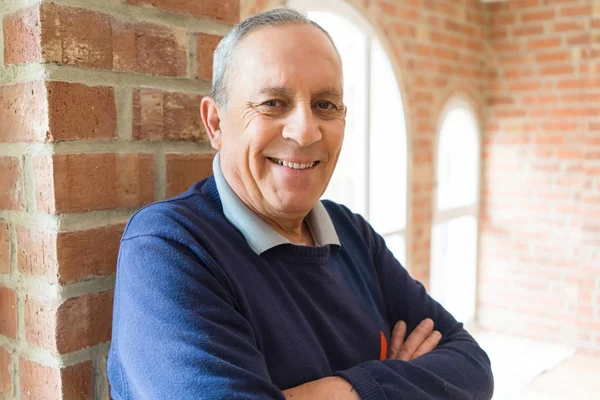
(259, 235)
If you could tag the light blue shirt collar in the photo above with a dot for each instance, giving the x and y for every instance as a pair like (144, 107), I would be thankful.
(259, 235)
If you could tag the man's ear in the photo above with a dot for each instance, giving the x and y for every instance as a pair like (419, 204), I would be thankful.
(212, 121)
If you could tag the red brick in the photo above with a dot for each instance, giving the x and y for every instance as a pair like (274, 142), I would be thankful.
(543, 43)
(149, 48)
(86, 182)
(461, 28)
(543, 15)
(557, 70)
(76, 36)
(69, 121)
(576, 112)
(11, 197)
(5, 373)
(84, 321)
(205, 49)
(4, 248)
(528, 30)
(8, 312)
(44, 184)
(520, 4)
(575, 84)
(551, 139)
(23, 112)
(590, 98)
(87, 254)
(160, 115)
(77, 323)
(499, 100)
(37, 253)
(38, 382)
(507, 47)
(525, 86)
(498, 19)
(227, 11)
(576, 11)
(183, 170)
(580, 39)
(563, 55)
(540, 99)
(567, 26)
(450, 40)
(518, 72)
(404, 29)
(497, 34)
(22, 37)
(40, 322)
(78, 381)
(561, 126)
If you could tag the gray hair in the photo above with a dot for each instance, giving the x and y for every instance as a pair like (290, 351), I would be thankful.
(225, 50)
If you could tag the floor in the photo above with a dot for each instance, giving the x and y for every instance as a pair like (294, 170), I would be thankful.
(578, 378)
(529, 370)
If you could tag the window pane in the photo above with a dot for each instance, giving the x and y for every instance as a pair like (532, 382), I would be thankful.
(458, 161)
(397, 245)
(347, 184)
(387, 191)
(453, 264)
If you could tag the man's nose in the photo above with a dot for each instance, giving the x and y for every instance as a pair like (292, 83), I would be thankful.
(302, 126)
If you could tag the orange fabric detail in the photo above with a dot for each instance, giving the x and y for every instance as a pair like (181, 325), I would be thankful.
(383, 353)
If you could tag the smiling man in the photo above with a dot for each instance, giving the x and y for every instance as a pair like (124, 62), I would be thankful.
(247, 286)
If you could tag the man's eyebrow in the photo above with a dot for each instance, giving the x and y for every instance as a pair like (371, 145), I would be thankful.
(329, 92)
(282, 91)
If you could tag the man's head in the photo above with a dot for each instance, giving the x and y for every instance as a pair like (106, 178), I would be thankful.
(280, 126)
(224, 53)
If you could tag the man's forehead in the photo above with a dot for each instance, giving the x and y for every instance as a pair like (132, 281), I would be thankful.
(287, 60)
(299, 39)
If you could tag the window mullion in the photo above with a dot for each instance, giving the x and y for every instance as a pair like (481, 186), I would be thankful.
(367, 127)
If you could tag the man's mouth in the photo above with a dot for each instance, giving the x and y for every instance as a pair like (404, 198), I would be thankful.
(293, 165)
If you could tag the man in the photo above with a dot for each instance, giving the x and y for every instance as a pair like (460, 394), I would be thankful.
(247, 286)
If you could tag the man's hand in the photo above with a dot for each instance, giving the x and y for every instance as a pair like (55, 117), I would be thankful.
(422, 340)
(329, 388)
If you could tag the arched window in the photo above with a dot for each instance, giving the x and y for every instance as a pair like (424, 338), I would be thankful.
(371, 175)
(454, 236)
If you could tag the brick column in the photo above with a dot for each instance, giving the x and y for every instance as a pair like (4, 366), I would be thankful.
(99, 115)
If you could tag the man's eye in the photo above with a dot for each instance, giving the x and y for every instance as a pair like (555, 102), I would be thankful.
(326, 105)
(272, 103)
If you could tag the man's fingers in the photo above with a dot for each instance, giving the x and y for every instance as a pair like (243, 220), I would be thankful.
(397, 339)
(428, 345)
(415, 339)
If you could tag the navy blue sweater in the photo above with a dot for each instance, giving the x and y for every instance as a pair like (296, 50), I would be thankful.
(199, 315)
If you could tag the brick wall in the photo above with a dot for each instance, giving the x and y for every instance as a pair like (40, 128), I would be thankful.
(540, 229)
(99, 115)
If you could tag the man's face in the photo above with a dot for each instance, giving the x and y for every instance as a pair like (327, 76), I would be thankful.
(282, 132)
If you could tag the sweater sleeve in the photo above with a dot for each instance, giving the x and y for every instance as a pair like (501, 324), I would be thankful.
(177, 333)
(457, 369)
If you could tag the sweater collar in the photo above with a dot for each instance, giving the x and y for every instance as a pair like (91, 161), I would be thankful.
(259, 235)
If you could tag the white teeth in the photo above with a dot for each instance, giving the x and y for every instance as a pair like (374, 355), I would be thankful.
(293, 165)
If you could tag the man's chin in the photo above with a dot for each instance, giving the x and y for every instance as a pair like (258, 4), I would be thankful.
(294, 203)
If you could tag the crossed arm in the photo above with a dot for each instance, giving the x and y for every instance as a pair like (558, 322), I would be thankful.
(421, 341)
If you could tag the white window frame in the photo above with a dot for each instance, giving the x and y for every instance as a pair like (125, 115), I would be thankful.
(462, 102)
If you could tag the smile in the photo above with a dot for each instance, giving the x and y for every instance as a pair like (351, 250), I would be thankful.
(293, 165)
